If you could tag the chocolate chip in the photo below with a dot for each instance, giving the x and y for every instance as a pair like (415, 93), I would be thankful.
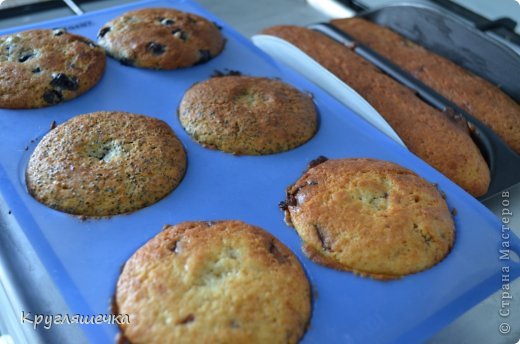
(155, 48)
(178, 33)
(217, 74)
(290, 199)
(205, 56)
(58, 32)
(24, 56)
(275, 251)
(218, 26)
(186, 320)
(319, 160)
(126, 61)
(322, 238)
(36, 70)
(64, 82)
(53, 125)
(52, 96)
(165, 21)
(226, 72)
(103, 31)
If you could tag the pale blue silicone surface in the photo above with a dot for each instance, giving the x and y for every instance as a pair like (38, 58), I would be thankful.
(84, 257)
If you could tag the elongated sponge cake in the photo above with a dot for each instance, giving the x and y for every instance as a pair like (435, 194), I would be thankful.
(477, 96)
(427, 132)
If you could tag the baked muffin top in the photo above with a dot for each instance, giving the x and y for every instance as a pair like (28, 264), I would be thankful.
(213, 282)
(161, 38)
(248, 115)
(106, 163)
(44, 67)
(371, 217)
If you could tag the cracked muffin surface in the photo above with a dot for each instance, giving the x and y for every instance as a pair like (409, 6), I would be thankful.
(106, 163)
(371, 217)
(248, 115)
(213, 282)
(39, 68)
(161, 38)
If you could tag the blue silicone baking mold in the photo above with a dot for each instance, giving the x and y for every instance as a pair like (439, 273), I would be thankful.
(84, 257)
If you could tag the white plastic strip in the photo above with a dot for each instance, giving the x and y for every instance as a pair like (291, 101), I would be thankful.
(10, 304)
(293, 57)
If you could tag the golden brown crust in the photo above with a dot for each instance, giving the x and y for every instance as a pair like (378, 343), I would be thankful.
(161, 38)
(426, 131)
(213, 282)
(371, 217)
(248, 115)
(106, 163)
(44, 67)
(477, 96)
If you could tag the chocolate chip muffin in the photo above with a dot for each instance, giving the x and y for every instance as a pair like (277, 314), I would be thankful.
(248, 115)
(161, 38)
(44, 67)
(371, 217)
(213, 282)
(106, 163)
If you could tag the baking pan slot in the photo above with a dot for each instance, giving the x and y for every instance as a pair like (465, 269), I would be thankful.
(504, 164)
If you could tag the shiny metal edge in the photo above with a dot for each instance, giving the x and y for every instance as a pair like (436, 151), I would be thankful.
(25, 285)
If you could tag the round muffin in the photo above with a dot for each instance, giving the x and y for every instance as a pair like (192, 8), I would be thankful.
(106, 163)
(248, 115)
(161, 38)
(44, 67)
(213, 282)
(371, 217)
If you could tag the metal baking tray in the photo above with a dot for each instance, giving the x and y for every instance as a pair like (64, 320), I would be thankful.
(84, 257)
(465, 45)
